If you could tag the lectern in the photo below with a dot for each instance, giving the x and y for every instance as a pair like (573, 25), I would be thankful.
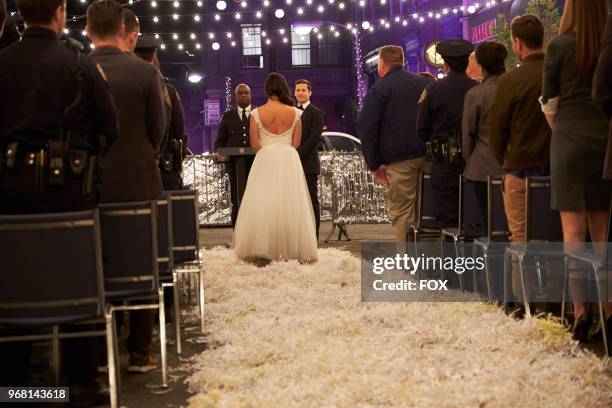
(236, 158)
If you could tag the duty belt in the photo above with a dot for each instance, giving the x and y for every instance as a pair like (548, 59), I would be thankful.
(447, 150)
(41, 160)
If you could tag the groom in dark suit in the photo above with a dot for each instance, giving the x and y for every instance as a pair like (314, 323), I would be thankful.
(312, 127)
(234, 132)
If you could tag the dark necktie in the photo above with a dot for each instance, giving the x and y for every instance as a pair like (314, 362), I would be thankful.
(300, 107)
(244, 117)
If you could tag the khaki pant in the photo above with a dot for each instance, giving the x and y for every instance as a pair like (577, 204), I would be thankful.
(402, 189)
(514, 204)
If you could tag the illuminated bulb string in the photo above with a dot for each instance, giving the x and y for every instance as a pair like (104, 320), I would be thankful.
(366, 26)
(228, 93)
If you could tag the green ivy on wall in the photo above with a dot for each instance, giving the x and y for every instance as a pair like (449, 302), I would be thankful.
(546, 10)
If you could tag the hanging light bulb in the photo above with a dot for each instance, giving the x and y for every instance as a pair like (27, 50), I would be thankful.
(221, 5)
(279, 13)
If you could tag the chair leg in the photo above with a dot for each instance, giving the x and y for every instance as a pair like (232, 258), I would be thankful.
(602, 315)
(540, 277)
(202, 298)
(162, 337)
(111, 355)
(524, 292)
(485, 255)
(177, 317)
(57, 357)
(416, 251)
(460, 276)
(507, 256)
(442, 254)
(565, 284)
(117, 362)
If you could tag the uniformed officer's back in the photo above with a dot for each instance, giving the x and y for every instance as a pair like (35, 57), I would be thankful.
(439, 125)
(37, 75)
(445, 102)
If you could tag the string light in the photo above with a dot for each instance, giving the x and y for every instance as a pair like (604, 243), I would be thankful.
(359, 72)
(228, 93)
(356, 27)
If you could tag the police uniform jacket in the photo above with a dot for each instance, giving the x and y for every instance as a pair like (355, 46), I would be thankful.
(38, 82)
(441, 107)
(232, 132)
(131, 169)
(387, 121)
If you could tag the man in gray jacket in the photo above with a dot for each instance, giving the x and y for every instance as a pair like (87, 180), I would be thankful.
(131, 171)
(480, 161)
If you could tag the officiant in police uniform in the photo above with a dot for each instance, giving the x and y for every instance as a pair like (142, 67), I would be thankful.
(234, 132)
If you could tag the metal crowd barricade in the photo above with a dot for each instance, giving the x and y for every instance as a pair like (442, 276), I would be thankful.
(348, 192)
(201, 173)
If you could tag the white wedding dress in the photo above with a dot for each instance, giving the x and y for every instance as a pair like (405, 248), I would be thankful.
(276, 220)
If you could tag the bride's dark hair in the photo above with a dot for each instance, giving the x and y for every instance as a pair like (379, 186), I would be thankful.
(276, 85)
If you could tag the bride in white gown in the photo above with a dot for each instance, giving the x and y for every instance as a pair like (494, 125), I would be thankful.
(276, 220)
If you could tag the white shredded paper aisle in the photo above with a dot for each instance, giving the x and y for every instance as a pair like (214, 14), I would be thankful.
(291, 335)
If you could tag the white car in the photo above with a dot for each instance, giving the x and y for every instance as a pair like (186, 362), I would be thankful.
(339, 141)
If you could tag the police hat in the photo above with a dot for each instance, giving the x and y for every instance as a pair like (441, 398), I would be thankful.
(147, 42)
(454, 48)
(13, 19)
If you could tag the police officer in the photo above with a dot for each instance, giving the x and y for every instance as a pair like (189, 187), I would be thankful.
(234, 132)
(174, 147)
(439, 125)
(41, 171)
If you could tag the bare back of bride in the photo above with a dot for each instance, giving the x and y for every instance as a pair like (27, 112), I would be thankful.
(276, 220)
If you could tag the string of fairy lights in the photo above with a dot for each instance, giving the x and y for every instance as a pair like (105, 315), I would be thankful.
(250, 12)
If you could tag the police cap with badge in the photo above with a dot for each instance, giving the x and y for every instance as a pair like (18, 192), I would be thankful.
(457, 48)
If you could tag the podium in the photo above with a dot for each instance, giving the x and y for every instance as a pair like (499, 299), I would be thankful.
(236, 159)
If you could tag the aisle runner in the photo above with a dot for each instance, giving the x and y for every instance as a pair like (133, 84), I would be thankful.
(298, 336)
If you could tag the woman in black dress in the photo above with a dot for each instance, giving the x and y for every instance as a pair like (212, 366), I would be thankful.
(579, 138)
